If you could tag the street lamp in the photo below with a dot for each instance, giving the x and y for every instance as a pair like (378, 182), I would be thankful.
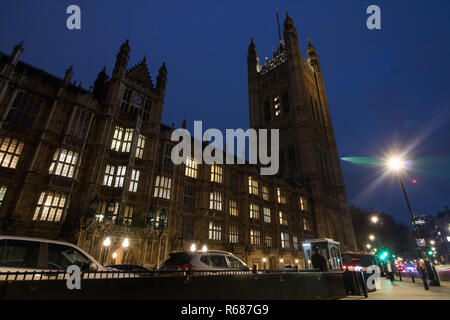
(125, 245)
(372, 237)
(374, 219)
(114, 255)
(204, 248)
(397, 164)
(368, 246)
(193, 247)
(264, 262)
(106, 244)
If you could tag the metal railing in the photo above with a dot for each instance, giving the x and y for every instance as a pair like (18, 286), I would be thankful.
(120, 274)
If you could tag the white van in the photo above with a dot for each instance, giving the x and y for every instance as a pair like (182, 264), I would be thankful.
(23, 254)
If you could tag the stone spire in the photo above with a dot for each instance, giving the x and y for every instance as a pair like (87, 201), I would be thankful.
(15, 55)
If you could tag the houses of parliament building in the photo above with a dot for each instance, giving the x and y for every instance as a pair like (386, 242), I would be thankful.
(86, 165)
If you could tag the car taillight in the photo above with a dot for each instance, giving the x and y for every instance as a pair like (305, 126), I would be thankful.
(344, 267)
(351, 268)
(185, 267)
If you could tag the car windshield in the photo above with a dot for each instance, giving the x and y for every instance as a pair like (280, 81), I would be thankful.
(235, 263)
(60, 257)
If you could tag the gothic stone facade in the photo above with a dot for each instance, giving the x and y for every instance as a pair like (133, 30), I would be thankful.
(83, 165)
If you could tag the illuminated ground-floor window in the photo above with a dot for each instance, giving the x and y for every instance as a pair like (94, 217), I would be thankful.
(215, 231)
(50, 206)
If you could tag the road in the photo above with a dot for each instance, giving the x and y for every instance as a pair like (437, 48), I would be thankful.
(407, 290)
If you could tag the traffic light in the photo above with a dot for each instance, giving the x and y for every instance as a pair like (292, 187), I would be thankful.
(430, 252)
(384, 254)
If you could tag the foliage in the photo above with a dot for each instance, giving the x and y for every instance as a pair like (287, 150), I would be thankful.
(397, 237)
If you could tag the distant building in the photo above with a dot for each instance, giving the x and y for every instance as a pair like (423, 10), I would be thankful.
(84, 165)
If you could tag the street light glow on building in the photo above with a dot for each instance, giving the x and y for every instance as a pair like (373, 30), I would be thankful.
(107, 242)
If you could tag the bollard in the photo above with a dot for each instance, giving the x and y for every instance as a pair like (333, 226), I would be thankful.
(436, 276)
(363, 284)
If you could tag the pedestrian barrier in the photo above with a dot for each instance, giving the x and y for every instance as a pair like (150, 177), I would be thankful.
(176, 285)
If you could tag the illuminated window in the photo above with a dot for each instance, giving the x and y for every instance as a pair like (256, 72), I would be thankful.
(120, 176)
(122, 139)
(109, 175)
(252, 186)
(215, 200)
(64, 163)
(233, 208)
(233, 234)
(162, 187)
(50, 206)
(191, 168)
(267, 217)
(24, 110)
(128, 215)
(280, 196)
(134, 180)
(268, 241)
(2, 194)
(10, 151)
(255, 237)
(295, 242)
(216, 173)
(101, 210)
(303, 204)
(140, 146)
(254, 211)
(276, 106)
(283, 218)
(285, 240)
(306, 224)
(265, 193)
(215, 231)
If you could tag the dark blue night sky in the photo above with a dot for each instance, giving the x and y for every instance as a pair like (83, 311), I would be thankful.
(385, 88)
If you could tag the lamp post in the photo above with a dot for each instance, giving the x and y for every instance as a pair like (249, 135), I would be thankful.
(375, 220)
(106, 244)
(125, 245)
(397, 164)
(264, 263)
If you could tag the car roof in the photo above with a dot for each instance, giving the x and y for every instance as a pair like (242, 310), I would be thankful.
(6, 237)
(62, 242)
(205, 252)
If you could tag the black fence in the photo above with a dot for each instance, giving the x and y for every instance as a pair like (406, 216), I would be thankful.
(176, 285)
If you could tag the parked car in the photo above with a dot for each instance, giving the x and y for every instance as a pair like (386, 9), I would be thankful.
(199, 260)
(24, 254)
(289, 268)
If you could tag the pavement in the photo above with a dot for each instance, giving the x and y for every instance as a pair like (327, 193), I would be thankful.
(406, 290)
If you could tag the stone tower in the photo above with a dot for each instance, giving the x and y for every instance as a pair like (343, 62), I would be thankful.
(287, 92)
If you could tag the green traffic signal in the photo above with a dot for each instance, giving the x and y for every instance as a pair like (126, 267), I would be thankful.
(430, 252)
